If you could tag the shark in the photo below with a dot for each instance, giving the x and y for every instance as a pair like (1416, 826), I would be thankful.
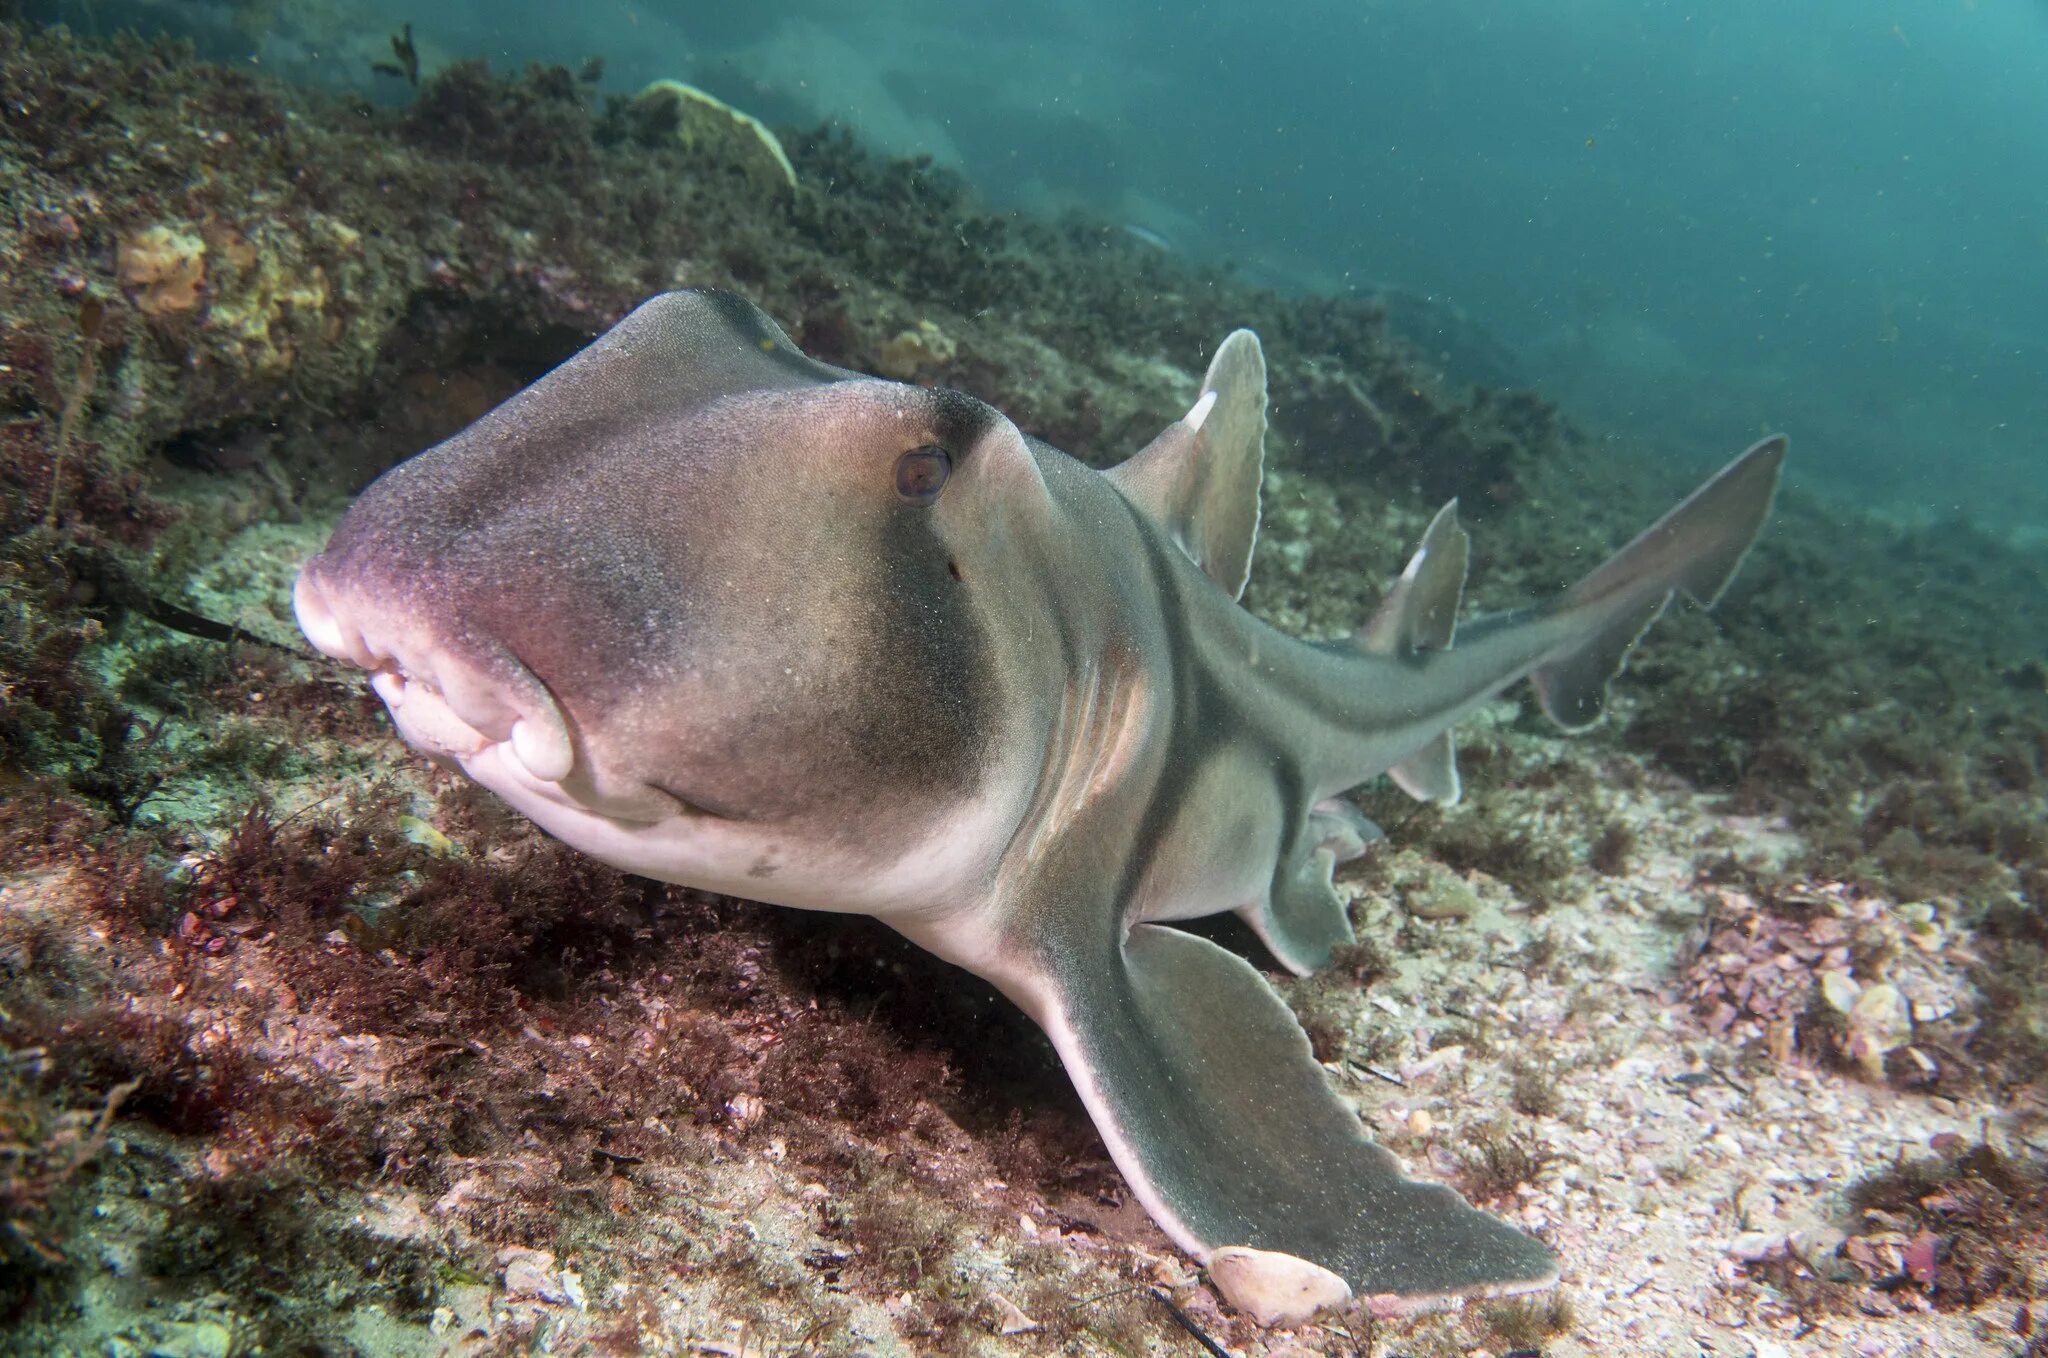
(724, 615)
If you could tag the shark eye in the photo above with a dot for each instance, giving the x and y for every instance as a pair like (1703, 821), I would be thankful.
(921, 473)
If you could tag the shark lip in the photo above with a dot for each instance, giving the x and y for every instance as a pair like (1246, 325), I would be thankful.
(694, 807)
(497, 720)
(443, 704)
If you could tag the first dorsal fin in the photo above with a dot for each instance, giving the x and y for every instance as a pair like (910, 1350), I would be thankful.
(1199, 480)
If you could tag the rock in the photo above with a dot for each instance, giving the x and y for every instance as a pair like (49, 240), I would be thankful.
(428, 837)
(1440, 1059)
(1441, 896)
(1840, 990)
(1010, 1317)
(531, 1273)
(1818, 1248)
(1755, 1206)
(1878, 1023)
(1754, 1247)
(704, 123)
(395, 1218)
(1274, 1288)
(192, 1339)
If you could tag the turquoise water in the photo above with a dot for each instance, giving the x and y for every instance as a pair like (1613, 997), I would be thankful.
(1691, 223)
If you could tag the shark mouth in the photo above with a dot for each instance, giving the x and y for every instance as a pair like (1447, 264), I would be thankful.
(493, 717)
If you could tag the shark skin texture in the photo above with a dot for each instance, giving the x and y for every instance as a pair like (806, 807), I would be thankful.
(719, 614)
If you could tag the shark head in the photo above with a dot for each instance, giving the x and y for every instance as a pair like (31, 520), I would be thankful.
(702, 607)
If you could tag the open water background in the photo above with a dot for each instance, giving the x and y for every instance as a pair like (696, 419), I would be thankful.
(1687, 222)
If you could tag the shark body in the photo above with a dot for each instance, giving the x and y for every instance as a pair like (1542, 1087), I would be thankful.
(722, 615)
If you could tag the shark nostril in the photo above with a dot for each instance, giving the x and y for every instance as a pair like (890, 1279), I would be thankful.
(450, 699)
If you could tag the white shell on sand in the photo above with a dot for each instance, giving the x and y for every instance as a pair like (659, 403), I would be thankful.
(1274, 1288)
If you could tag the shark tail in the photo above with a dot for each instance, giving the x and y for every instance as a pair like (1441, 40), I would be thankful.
(1695, 549)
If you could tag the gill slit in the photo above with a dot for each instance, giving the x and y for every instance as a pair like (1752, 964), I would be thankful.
(1088, 744)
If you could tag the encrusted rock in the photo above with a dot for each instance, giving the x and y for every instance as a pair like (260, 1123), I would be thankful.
(915, 352)
(702, 121)
(165, 269)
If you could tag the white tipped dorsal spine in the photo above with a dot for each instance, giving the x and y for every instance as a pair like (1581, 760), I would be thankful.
(1199, 480)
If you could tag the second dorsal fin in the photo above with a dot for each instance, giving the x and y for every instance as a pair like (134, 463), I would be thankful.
(1420, 613)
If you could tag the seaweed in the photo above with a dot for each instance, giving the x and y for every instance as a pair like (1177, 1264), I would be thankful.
(1976, 1222)
(537, 120)
(1534, 1088)
(43, 1147)
(1487, 840)
(2013, 977)
(406, 63)
(1613, 850)
(1497, 1159)
(1526, 1325)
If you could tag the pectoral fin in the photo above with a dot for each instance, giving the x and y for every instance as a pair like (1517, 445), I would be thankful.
(1203, 1086)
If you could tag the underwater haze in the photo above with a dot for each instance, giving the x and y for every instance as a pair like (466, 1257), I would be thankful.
(1690, 223)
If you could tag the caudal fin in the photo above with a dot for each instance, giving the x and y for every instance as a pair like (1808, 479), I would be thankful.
(1695, 549)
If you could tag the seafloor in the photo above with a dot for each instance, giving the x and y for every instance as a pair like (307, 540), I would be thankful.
(1740, 1001)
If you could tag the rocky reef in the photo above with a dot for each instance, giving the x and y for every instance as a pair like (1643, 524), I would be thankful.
(310, 1049)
